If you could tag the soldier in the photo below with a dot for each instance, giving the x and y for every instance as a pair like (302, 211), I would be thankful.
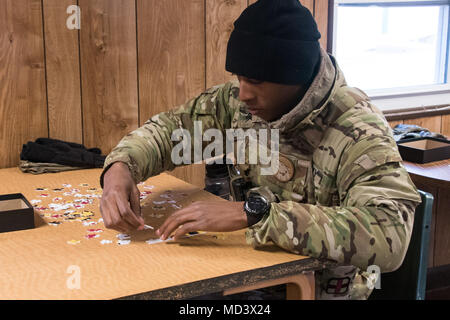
(341, 192)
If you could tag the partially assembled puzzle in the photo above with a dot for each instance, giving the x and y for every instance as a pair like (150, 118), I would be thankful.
(79, 204)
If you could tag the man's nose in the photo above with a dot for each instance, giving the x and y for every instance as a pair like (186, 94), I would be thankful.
(245, 92)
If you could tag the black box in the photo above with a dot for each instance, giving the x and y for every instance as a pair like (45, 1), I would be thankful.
(16, 213)
(424, 150)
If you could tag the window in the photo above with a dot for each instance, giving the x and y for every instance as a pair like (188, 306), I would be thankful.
(392, 48)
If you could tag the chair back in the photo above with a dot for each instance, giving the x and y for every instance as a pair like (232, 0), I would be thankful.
(409, 281)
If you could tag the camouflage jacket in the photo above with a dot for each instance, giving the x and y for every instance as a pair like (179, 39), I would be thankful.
(349, 199)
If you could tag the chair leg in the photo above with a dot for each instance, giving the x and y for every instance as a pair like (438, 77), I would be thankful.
(298, 287)
(301, 287)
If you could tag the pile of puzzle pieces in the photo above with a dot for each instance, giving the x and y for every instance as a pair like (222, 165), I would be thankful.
(77, 204)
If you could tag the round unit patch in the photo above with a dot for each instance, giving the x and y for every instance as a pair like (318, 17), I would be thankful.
(285, 170)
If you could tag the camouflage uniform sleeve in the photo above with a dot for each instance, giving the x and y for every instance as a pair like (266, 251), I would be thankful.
(373, 224)
(147, 150)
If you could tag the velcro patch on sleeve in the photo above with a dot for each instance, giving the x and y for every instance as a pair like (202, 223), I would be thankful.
(366, 162)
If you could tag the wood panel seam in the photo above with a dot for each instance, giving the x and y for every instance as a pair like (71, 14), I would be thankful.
(137, 64)
(81, 80)
(205, 48)
(45, 67)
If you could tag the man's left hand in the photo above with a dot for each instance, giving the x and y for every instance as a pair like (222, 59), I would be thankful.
(215, 216)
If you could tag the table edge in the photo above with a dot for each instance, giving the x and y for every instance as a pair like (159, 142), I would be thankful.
(430, 181)
(219, 284)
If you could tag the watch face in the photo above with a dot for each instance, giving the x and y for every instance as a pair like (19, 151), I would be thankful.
(257, 204)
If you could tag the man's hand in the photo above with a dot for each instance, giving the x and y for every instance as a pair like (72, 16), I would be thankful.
(120, 205)
(215, 216)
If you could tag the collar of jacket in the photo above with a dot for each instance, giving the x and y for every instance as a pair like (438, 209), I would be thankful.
(315, 99)
(305, 124)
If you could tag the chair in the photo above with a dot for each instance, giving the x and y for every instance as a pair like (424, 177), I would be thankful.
(409, 281)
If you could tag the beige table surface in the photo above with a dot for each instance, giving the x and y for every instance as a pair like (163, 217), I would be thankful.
(39, 263)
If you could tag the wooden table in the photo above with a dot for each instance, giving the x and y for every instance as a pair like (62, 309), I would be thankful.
(59, 262)
(434, 177)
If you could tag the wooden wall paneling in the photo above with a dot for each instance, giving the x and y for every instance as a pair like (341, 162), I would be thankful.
(445, 125)
(321, 16)
(108, 71)
(442, 247)
(220, 15)
(431, 123)
(171, 55)
(308, 4)
(23, 100)
(394, 123)
(63, 73)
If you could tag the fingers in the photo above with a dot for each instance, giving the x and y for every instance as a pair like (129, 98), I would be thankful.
(186, 228)
(111, 216)
(174, 221)
(136, 204)
(118, 215)
(128, 215)
(120, 203)
(129, 219)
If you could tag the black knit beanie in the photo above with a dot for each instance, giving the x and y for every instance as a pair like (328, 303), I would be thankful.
(275, 41)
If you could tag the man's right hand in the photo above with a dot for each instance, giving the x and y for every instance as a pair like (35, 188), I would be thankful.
(120, 204)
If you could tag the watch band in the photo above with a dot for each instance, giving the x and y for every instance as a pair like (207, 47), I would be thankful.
(252, 220)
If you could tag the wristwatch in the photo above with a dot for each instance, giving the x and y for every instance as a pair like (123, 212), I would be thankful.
(256, 207)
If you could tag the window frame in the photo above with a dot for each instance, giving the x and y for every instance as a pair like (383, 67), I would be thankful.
(407, 97)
